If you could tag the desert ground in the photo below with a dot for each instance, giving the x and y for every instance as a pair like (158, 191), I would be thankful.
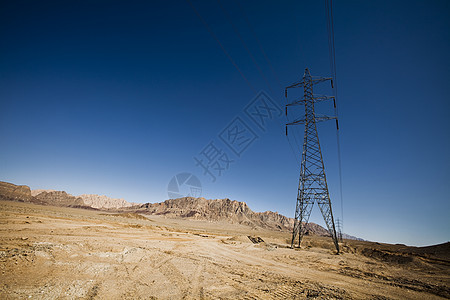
(51, 252)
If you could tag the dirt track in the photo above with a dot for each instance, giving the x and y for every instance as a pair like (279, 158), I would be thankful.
(51, 252)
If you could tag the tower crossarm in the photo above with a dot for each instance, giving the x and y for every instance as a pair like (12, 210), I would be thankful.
(320, 98)
(295, 85)
(316, 99)
(321, 79)
(317, 119)
(313, 80)
(320, 118)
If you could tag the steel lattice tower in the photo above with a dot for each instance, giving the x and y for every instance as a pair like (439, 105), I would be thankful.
(339, 230)
(312, 185)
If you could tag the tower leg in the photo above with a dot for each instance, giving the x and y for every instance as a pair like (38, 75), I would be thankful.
(325, 208)
(303, 211)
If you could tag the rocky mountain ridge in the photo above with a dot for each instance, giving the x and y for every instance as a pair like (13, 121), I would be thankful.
(34, 193)
(223, 210)
(102, 201)
(58, 198)
(227, 210)
(11, 191)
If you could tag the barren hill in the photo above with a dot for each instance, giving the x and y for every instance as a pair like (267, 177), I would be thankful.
(34, 193)
(91, 200)
(59, 198)
(9, 191)
(223, 210)
(101, 201)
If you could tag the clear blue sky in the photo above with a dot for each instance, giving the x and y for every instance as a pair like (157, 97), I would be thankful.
(117, 97)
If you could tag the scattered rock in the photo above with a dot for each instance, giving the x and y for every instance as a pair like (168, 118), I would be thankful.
(255, 239)
(128, 215)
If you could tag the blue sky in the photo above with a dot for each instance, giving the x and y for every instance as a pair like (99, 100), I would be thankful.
(116, 98)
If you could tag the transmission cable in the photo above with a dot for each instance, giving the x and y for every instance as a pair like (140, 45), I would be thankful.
(258, 67)
(259, 44)
(236, 31)
(332, 54)
(221, 45)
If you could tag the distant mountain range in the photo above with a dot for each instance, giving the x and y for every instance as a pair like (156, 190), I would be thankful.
(227, 210)
(9, 191)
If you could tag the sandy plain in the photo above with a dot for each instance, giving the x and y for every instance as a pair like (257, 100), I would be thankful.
(51, 252)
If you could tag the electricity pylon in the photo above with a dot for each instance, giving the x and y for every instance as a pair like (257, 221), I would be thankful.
(312, 185)
(339, 230)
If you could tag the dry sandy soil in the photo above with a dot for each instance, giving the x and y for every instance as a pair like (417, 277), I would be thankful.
(65, 253)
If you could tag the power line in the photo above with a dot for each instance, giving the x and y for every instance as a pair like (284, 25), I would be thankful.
(332, 54)
(248, 51)
(259, 44)
(261, 48)
(220, 44)
(236, 31)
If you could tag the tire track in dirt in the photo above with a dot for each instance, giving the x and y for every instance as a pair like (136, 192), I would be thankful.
(331, 283)
(196, 290)
(148, 266)
(175, 277)
(261, 284)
